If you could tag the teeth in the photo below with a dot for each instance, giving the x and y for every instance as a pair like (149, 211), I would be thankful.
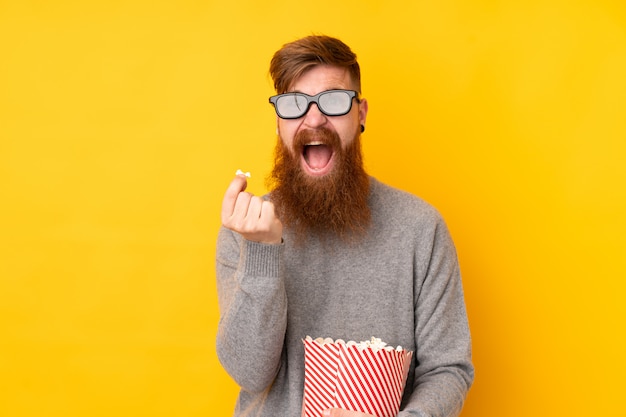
(315, 143)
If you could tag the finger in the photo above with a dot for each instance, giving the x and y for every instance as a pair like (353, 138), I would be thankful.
(240, 210)
(250, 219)
(236, 186)
(268, 212)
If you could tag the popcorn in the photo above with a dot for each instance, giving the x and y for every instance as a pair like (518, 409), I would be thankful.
(374, 343)
(367, 376)
(240, 172)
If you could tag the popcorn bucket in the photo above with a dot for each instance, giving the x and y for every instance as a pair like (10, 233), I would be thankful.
(368, 377)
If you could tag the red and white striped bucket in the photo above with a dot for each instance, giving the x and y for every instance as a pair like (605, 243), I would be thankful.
(369, 380)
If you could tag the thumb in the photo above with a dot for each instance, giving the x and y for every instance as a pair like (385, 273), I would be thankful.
(334, 412)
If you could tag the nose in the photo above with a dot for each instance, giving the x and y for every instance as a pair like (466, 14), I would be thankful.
(314, 117)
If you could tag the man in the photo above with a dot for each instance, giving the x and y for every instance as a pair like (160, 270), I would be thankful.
(332, 252)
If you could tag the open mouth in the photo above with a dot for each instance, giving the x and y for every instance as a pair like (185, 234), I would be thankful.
(317, 157)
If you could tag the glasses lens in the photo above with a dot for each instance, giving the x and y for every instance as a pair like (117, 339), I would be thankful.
(335, 103)
(291, 105)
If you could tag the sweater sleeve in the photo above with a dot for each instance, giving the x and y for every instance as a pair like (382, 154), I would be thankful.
(253, 309)
(444, 371)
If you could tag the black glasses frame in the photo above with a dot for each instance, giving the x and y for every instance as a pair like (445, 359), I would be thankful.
(314, 99)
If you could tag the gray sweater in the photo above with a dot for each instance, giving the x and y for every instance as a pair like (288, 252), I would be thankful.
(401, 284)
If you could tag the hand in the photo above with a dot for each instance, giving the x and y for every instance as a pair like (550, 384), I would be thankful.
(248, 215)
(339, 412)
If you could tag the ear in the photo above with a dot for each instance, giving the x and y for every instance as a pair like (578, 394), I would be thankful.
(363, 106)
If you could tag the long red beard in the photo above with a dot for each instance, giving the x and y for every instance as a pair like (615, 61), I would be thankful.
(334, 204)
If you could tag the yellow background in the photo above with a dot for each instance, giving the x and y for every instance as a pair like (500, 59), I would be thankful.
(121, 123)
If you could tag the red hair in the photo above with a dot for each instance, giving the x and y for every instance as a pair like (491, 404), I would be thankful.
(295, 58)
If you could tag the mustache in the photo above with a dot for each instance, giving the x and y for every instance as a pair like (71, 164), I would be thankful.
(322, 134)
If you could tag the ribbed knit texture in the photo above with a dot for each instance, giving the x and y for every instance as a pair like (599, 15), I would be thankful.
(261, 260)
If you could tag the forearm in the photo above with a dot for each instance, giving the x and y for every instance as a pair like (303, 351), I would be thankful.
(439, 395)
(253, 307)
(444, 371)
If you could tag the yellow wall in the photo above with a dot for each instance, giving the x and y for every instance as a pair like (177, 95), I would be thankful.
(121, 122)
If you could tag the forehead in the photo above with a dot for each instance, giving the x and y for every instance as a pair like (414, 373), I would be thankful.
(321, 78)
